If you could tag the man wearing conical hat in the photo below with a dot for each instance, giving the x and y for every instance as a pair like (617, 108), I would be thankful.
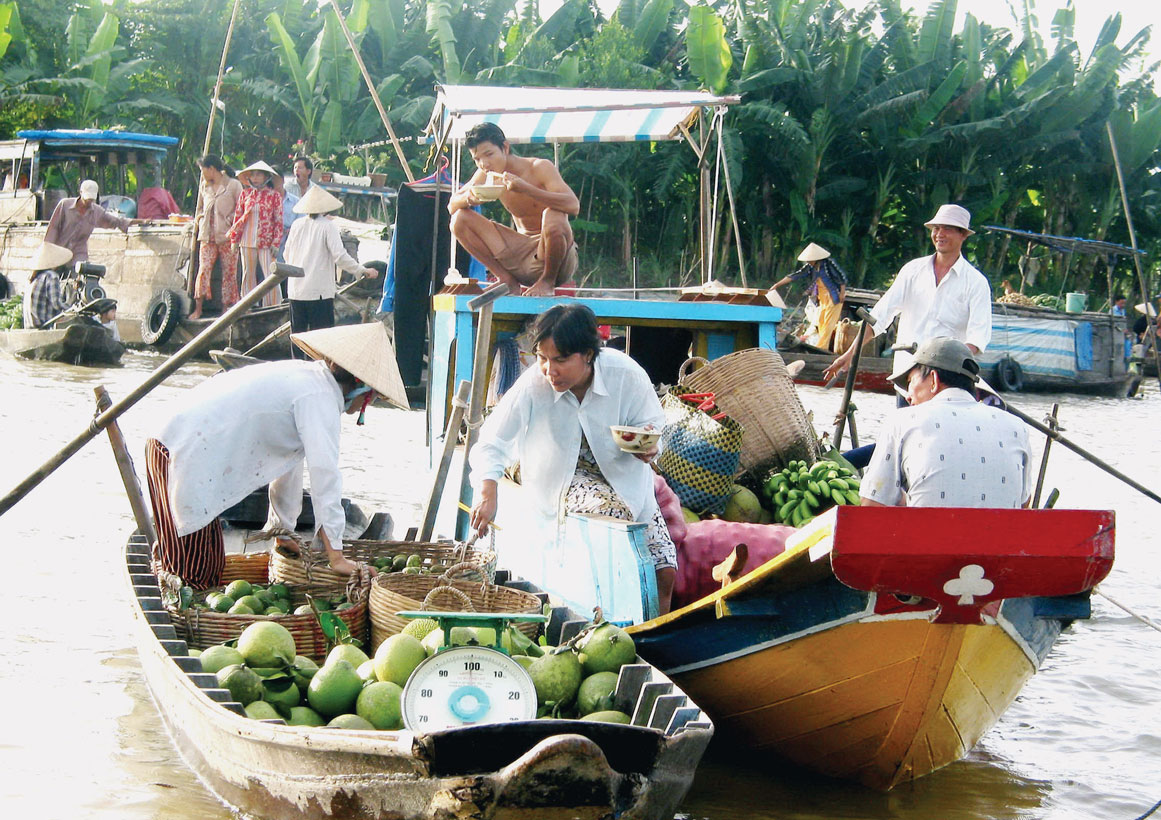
(938, 295)
(315, 246)
(43, 298)
(828, 290)
(259, 425)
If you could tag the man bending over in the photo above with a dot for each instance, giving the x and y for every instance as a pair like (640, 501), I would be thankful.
(540, 253)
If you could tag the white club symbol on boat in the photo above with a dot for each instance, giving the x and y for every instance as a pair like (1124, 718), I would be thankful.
(970, 584)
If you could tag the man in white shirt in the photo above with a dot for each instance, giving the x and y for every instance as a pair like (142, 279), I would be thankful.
(947, 449)
(938, 295)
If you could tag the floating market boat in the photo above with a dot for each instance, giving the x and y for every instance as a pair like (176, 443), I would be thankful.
(544, 769)
(80, 343)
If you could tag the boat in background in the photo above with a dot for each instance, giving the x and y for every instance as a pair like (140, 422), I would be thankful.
(82, 342)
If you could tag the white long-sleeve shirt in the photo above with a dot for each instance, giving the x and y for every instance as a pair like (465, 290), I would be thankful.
(316, 246)
(540, 428)
(253, 426)
(960, 306)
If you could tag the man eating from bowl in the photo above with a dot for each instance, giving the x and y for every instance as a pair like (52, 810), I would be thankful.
(540, 253)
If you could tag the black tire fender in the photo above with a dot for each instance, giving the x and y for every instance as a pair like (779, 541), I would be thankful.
(1009, 375)
(161, 318)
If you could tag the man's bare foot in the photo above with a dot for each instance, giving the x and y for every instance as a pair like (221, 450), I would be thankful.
(539, 289)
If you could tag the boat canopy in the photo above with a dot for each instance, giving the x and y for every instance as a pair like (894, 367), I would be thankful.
(66, 144)
(560, 115)
(1069, 244)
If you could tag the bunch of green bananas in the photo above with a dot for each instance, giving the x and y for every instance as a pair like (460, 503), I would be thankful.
(799, 493)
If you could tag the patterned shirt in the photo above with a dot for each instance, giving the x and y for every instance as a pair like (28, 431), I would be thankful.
(71, 229)
(951, 451)
(43, 299)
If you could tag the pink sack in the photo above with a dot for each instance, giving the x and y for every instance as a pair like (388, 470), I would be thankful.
(670, 506)
(707, 543)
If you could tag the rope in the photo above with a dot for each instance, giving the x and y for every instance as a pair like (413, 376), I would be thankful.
(1143, 619)
(1149, 813)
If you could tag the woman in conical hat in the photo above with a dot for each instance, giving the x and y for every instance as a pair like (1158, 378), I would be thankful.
(314, 245)
(828, 290)
(43, 298)
(257, 228)
(259, 425)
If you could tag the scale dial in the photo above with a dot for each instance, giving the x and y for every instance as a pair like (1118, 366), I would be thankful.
(467, 686)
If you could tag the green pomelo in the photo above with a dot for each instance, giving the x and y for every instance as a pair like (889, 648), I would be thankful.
(433, 641)
(609, 716)
(438, 569)
(462, 636)
(254, 602)
(303, 609)
(304, 716)
(264, 596)
(218, 657)
(743, 506)
(524, 660)
(379, 703)
(266, 644)
(349, 721)
(333, 689)
(399, 561)
(243, 683)
(413, 561)
(240, 609)
(557, 677)
(273, 610)
(281, 693)
(606, 649)
(397, 657)
(213, 598)
(412, 571)
(689, 515)
(486, 635)
(223, 603)
(261, 710)
(282, 605)
(420, 628)
(302, 671)
(195, 653)
(596, 693)
(350, 653)
(236, 589)
(366, 671)
(279, 590)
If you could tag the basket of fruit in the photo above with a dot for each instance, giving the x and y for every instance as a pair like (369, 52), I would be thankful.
(220, 614)
(399, 592)
(409, 557)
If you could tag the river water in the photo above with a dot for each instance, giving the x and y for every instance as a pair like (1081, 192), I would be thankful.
(80, 737)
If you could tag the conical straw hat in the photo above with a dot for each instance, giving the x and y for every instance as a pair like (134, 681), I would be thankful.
(364, 351)
(813, 253)
(317, 201)
(257, 166)
(50, 256)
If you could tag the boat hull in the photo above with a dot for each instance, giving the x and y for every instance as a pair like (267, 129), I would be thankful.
(78, 344)
(543, 769)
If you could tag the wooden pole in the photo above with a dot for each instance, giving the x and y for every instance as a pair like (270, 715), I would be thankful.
(483, 304)
(374, 93)
(849, 388)
(1044, 457)
(125, 467)
(167, 368)
(450, 440)
(283, 328)
(1150, 321)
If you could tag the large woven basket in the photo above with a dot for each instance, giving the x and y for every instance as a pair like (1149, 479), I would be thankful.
(398, 592)
(204, 628)
(291, 569)
(753, 387)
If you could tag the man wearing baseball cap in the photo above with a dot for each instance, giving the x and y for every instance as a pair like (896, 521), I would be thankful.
(75, 218)
(947, 449)
(938, 295)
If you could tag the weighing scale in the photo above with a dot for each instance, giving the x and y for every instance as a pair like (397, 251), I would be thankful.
(469, 685)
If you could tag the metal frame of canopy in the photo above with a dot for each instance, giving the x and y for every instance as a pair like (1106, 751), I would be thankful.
(554, 116)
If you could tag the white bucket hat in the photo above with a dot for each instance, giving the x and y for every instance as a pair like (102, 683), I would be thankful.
(256, 166)
(317, 201)
(364, 351)
(89, 190)
(954, 215)
(49, 256)
(813, 253)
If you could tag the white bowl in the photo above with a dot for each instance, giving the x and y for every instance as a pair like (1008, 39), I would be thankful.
(487, 193)
(635, 439)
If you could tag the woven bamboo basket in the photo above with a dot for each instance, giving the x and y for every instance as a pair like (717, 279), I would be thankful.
(398, 592)
(253, 567)
(204, 628)
(753, 387)
(291, 569)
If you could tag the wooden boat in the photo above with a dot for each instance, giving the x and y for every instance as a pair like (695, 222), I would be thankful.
(527, 769)
(80, 343)
(884, 642)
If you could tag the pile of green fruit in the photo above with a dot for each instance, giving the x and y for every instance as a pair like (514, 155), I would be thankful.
(579, 678)
(407, 564)
(12, 314)
(243, 598)
(799, 493)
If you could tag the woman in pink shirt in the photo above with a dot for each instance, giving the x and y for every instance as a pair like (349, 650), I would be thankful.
(257, 228)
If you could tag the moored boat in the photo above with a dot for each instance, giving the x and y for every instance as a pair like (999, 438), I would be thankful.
(80, 343)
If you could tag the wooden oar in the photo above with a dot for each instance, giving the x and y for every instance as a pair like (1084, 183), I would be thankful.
(450, 439)
(167, 368)
(1044, 458)
(483, 304)
(125, 467)
(283, 328)
(841, 418)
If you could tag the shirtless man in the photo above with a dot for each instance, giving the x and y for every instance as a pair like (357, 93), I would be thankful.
(540, 254)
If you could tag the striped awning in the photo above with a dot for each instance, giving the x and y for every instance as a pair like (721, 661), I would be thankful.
(554, 115)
